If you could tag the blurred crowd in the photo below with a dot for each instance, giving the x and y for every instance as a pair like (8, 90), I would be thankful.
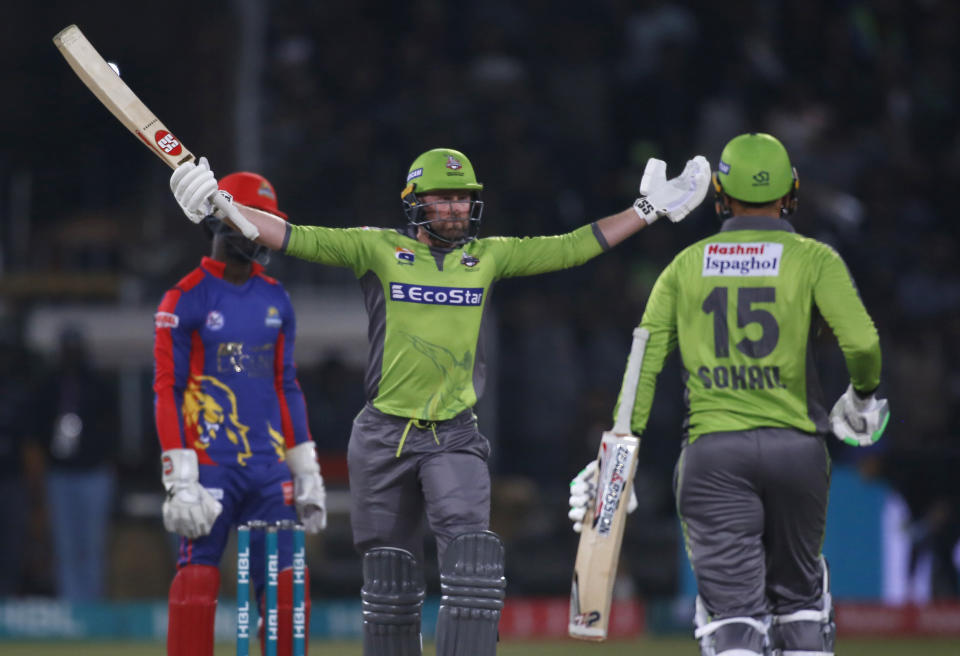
(559, 111)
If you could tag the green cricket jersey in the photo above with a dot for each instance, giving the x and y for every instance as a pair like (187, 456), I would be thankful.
(740, 307)
(426, 305)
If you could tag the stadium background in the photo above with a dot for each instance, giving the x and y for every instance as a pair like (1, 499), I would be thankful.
(558, 105)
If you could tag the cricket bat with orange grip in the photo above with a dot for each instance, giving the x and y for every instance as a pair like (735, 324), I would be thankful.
(602, 534)
(105, 83)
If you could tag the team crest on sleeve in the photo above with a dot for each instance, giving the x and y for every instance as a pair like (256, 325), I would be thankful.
(273, 317)
(166, 320)
(405, 255)
(742, 259)
(214, 320)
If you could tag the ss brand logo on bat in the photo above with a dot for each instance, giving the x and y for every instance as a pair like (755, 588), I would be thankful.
(167, 142)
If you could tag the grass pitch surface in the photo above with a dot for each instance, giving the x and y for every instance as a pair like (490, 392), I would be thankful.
(644, 647)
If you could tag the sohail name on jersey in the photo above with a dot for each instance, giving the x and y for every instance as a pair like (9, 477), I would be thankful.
(741, 377)
(742, 259)
(468, 296)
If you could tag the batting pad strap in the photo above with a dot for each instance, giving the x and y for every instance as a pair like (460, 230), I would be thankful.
(739, 652)
(793, 652)
(803, 616)
(712, 627)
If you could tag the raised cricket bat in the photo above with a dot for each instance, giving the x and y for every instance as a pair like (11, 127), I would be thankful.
(602, 533)
(106, 85)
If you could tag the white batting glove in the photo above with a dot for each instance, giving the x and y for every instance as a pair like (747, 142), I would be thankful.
(194, 185)
(583, 492)
(857, 420)
(673, 198)
(309, 495)
(189, 509)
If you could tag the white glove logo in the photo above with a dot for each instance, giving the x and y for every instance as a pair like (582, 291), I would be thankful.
(674, 198)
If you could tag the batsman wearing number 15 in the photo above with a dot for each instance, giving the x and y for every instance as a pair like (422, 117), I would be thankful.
(753, 475)
(416, 447)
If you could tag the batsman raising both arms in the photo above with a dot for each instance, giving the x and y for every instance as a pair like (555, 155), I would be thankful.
(416, 446)
(753, 475)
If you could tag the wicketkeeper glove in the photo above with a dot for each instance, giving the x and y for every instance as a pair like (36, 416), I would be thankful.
(583, 492)
(309, 495)
(189, 509)
(859, 420)
(673, 198)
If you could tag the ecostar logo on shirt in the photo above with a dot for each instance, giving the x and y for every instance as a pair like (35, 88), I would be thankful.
(470, 296)
(742, 259)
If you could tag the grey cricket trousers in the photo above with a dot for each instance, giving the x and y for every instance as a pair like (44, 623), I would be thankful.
(401, 469)
(753, 508)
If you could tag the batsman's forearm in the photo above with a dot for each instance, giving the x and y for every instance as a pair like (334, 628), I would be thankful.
(617, 227)
(272, 228)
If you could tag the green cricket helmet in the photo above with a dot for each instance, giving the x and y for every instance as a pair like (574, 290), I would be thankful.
(441, 169)
(755, 168)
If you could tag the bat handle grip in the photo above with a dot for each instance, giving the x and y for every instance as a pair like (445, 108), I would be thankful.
(631, 378)
(239, 221)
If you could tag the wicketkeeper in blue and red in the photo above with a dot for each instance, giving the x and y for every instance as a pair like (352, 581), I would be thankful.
(232, 423)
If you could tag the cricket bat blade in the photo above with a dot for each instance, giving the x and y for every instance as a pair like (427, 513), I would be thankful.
(601, 538)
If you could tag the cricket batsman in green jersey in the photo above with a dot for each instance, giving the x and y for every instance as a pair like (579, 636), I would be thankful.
(415, 447)
(753, 476)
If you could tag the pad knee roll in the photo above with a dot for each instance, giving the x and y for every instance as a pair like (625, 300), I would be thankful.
(192, 608)
(392, 599)
(472, 586)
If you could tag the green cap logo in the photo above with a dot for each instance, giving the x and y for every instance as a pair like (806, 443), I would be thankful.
(755, 168)
(442, 168)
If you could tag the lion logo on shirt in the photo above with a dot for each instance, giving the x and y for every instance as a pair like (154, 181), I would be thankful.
(210, 412)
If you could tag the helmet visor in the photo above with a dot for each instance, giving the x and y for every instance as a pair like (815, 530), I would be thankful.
(451, 221)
